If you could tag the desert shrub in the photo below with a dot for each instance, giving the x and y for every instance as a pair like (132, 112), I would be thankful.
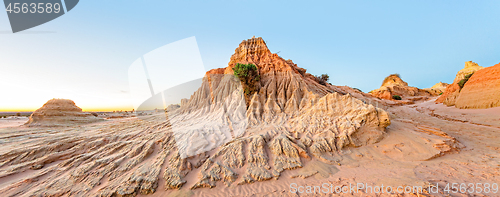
(248, 75)
(357, 89)
(396, 97)
(322, 79)
(18, 114)
(244, 70)
(462, 82)
(440, 93)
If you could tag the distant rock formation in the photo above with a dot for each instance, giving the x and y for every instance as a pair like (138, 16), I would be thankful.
(470, 67)
(394, 85)
(437, 89)
(173, 107)
(440, 86)
(482, 90)
(60, 112)
(452, 91)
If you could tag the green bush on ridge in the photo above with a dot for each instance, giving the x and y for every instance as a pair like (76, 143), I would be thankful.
(462, 82)
(322, 79)
(248, 75)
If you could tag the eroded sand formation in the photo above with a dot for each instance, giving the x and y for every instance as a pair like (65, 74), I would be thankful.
(450, 95)
(482, 90)
(60, 112)
(438, 88)
(394, 85)
(292, 130)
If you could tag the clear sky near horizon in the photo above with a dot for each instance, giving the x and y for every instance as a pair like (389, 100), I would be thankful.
(85, 54)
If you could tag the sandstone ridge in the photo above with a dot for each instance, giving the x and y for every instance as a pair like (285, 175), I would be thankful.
(482, 90)
(452, 91)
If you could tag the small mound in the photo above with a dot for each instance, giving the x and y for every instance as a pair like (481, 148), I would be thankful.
(394, 86)
(470, 68)
(173, 107)
(60, 112)
(440, 85)
(438, 88)
(482, 90)
(394, 79)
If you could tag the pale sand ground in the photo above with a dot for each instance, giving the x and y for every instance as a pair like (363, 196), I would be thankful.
(488, 117)
(12, 121)
(407, 156)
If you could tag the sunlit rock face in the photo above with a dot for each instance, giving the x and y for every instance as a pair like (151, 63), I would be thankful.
(450, 95)
(60, 112)
(394, 85)
(482, 90)
(437, 89)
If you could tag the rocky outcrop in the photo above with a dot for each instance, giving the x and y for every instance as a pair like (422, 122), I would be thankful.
(60, 112)
(394, 85)
(290, 116)
(172, 107)
(438, 88)
(341, 118)
(450, 95)
(482, 90)
(469, 68)
(452, 91)
(284, 91)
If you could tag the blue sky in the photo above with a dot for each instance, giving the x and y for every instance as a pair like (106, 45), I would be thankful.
(84, 55)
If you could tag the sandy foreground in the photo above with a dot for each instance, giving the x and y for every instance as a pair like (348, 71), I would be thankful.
(426, 145)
